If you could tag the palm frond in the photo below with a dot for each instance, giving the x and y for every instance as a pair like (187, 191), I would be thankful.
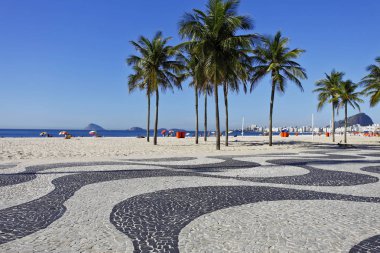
(371, 83)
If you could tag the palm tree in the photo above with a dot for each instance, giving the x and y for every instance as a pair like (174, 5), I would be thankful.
(196, 112)
(194, 69)
(213, 36)
(327, 94)
(372, 82)
(137, 80)
(238, 73)
(347, 94)
(159, 68)
(207, 91)
(275, 58)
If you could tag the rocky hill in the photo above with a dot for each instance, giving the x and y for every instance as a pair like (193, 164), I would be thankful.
(360, 118)
(93, 127)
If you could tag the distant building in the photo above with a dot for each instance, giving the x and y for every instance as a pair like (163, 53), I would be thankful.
(359, 128)
(309, 129)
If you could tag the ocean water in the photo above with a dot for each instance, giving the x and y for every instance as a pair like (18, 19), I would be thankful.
(5, 133)
(78, 133)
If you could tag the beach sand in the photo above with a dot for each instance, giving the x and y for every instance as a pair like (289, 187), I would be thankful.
(21, 149)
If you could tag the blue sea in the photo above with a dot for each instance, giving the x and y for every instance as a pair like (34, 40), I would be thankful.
(5, 133)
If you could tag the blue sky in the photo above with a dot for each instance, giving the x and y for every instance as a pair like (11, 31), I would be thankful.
(62, 63)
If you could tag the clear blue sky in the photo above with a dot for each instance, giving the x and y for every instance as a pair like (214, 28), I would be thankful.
(62, 63)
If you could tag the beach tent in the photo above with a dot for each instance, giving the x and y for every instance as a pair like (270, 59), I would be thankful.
(66, 134)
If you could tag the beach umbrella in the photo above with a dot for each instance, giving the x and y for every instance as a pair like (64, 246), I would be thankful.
(43, 133)
(63, 133)
(163, 131)
(93, 133)
(230, 132)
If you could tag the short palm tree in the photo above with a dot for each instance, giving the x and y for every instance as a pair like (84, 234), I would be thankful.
(372, 83)
(137, 81)
(273, 57)
(348, 95)
(214, 39)
(326, 89)
(206, 90)
(160, 69)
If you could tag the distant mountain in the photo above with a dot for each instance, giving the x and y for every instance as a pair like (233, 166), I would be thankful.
(93, 127)
(136, 129)
(360, 118)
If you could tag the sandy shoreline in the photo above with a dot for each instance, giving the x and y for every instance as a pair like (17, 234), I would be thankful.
(16, 149)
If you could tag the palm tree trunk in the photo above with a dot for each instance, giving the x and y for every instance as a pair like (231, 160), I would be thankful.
(156, 120)
(226, 108)
(148, 121)
(205, 123)
(217, 130)
(271, 113)
(196, 114)
(345, 122)
(333, 123)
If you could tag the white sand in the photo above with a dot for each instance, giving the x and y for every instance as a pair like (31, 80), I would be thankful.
(17, 149)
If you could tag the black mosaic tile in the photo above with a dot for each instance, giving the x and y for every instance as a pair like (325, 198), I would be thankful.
(370, 245)
(373, 169)
(371, 154)
(31, 171)
(27, 218)
(169, 159)
(318, 177)
(228, 163)
(315, 177)
(157, 218)
(7, 166)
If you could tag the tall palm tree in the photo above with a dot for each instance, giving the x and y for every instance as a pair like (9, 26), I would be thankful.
(196, 113)
(213, 35)
(348, 95)
(275, 58)
(326, 89)
(372, 82)
(137, 81)
(238, 73)
(194, 69)
(160, 69)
